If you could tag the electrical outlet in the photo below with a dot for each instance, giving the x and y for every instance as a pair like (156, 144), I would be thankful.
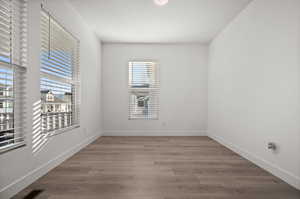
(84, 130)
(272, 146)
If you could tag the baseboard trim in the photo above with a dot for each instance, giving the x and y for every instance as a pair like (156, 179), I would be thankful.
(21, 183)
(266, 165)
(154, 133)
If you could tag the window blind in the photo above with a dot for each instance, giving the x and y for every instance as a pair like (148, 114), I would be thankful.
(13, 30)
(143, 83)
(59, 76)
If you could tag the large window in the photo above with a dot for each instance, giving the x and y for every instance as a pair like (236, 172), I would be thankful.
(59, 76)
(12, 69)
(143, 90)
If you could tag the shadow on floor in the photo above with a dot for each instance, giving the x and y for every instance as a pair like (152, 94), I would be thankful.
(33, 194)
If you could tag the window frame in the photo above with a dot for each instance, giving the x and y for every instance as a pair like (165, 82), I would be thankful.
(73, 82)
(145, 90)
(16, 62)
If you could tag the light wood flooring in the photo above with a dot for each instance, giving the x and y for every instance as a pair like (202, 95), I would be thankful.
(158, 168)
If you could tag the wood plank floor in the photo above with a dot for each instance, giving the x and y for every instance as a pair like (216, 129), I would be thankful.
(158, 168)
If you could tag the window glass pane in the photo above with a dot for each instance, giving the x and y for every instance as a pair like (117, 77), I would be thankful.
(143, 105)
(57, 104)
(6, 107)
(142, 74)
(4, 59)
(57, 63)
(139, 104)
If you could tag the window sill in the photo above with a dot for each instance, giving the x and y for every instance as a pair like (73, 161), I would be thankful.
(142, 118)
(60, 131)
(10, 147)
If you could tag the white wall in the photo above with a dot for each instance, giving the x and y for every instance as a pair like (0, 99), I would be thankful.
(183, 94)
(20, 167)
(254, 86)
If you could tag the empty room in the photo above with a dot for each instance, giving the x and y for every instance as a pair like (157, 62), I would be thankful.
(149, 99)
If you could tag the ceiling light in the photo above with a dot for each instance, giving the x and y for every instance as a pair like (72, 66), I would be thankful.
(161, 2)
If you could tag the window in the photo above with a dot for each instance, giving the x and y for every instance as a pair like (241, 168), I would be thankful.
(143, 90)
(59, 76)
(12, 70)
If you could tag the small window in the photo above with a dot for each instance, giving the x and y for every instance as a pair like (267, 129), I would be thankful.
(143, 86)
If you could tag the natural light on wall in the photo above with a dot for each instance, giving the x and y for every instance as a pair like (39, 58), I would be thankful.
(39, 139)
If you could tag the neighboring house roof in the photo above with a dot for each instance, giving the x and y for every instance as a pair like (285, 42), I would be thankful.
(45, 91)
(57, 100)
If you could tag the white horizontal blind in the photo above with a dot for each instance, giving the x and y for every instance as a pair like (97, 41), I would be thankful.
(13, 41)
(143, 84)
(59, 76)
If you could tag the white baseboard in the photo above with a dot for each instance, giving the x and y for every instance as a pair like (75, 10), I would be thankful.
(154, 133)
(286, 176)
(29, 178)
